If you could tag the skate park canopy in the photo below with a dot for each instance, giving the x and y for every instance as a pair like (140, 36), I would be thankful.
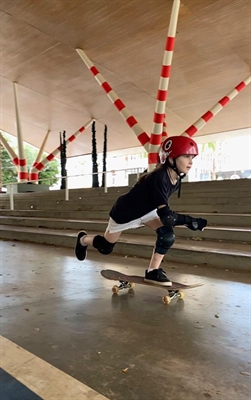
(125, 41)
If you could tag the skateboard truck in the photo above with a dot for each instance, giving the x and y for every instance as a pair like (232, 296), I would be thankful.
(172, 294)
(123, 285)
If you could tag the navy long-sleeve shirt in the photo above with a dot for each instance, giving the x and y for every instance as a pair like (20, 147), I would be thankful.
(146, 195)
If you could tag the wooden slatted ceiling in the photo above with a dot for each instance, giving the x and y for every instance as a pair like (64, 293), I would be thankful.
(125, 40)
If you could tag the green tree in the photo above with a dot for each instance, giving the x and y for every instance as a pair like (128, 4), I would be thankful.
(9, 172)
(50, 173)
(211, 146)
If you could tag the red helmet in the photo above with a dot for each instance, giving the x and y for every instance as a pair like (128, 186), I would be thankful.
(176, 146)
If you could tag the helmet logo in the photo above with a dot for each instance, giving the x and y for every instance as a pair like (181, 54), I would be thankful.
(168, 144)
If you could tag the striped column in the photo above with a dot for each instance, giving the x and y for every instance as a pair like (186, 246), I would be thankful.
(40, 153)
(164, 131)
(123, 110)
(22, 170)
(10, 151)
(156, 135)
(216, 108)
(39, 166)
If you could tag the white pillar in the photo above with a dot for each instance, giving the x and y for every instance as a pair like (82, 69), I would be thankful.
(22, 173)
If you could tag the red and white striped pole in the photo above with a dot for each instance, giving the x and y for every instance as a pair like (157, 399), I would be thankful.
(40, 153)
(216, 108)
(164, 132)
(36, 169)
(10, 151)
(123, 110)
(156, 135)
(22, 170)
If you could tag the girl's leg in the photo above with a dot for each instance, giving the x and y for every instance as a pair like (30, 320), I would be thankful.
(110, 237)
(155, 261)
(104, 244)
(156, 257)
(165, 239)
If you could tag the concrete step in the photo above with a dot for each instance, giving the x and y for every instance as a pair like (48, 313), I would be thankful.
(84, 194)
(189, 186)
(235, 257)
(235, 234)
(213, 186)
(216, 219)
(213, 208)
(196, 198)
(208, 204)
(182, 208)
(191, 189)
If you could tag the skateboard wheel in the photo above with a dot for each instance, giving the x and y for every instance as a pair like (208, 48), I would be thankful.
(181, 295)
(132, 285)
(166, 299)
(115, 289)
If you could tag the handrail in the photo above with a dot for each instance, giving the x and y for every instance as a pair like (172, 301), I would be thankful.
(67, 190)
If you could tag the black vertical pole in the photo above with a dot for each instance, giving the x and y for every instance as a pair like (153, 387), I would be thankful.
(63, 160)
(95, 182)
(104, 156)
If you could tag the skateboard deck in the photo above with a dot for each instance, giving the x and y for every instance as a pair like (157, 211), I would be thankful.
(129, 281)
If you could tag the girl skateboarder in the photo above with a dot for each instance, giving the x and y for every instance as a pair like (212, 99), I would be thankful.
(146, 204)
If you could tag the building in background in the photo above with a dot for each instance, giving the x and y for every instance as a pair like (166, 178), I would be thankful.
(221, 156)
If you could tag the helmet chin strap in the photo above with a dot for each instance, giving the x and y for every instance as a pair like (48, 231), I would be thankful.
(175, 168)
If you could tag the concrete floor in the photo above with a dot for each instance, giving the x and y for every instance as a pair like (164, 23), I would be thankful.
(129, 346)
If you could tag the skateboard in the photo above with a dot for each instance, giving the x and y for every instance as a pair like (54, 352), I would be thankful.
(129, 281)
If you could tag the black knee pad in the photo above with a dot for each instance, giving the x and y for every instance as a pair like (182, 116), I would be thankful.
(165, 239)
(102, 245)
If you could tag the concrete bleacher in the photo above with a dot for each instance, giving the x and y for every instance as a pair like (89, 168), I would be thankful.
(226, 243)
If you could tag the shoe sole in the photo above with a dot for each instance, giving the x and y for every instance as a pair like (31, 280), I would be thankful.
(168, 284)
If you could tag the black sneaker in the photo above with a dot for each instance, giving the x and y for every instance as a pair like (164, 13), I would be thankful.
(157, 276)
(80, 250)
